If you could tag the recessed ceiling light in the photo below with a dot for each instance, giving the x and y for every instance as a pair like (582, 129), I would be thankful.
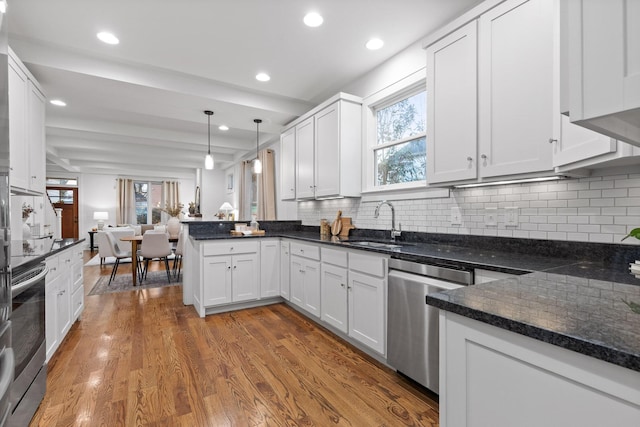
(223, 127)
(313, 19)
(3, 6)
(263, 77)
(108, 38)
(58, 102)
(374, 44)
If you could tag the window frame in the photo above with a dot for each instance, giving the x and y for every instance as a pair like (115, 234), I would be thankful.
(402, 89)
(150, 183)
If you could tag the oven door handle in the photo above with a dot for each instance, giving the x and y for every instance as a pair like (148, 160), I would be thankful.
(23, 286)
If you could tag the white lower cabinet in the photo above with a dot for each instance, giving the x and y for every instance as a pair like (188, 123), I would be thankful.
(305, 277)
(269, 268)
(493, 377)
(367, 298)
(285, 266)
(64, 296)
(334, 295)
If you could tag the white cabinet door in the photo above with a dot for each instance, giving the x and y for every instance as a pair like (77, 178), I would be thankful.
(244, 277)
(18, 154)
(297, 280)
(51, 303)
(452, 113)
(36, 138)
(288, 165)
(312, 287)
(367, 310)
(334, 296)
(269, 268)
(285, 267)
(217, 280)
(305, 185)
(518, 102)
(577, 143)
(63, 304)
(327, 148)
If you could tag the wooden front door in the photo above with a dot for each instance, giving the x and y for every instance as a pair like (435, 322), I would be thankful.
(66, 199)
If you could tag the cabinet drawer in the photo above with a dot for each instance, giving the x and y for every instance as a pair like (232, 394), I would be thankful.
(53, 266)
(229, 248)
(372, 265)
(307, 251)
(333, 256)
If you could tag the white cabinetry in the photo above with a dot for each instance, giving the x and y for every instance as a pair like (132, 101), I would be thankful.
(333, 284)
(514, 61)
(230, 272)
(305, 277)
(328, 149)
(26, 129)
(603, 47)
(64, 295)
(285, 267)
(269, 268)
(493, 377)
(367, 286)
(518, 101)
(288, 165)
(452, 114)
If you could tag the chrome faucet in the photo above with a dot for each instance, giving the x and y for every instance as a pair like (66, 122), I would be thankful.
(394, 233)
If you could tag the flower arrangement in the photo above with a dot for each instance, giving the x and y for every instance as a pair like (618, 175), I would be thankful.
(173, 210)
(26, 210)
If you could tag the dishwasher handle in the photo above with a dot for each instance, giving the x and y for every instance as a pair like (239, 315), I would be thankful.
(429, 281)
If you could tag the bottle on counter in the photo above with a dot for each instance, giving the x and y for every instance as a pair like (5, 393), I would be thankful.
(324, 227)
(254, 225)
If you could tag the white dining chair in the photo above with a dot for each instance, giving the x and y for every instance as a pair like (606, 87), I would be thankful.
(155, 245)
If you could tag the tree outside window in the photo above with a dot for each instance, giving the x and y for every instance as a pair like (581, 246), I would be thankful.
(148, 202)
(401, 151)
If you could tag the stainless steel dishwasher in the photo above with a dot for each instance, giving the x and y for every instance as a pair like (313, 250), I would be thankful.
(412, 325)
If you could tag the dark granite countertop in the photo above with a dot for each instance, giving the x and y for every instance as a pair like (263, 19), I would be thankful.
(25, 253)
(571, 295)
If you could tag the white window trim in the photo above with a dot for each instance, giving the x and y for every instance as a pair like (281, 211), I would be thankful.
(387, 96)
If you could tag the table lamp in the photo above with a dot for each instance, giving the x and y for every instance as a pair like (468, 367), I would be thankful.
(101, 217)
(226, 207)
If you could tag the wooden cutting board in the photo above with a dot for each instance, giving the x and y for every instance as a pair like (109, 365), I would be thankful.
(346, 226)
(336, 226)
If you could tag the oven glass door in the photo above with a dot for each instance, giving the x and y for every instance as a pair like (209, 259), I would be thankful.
(28, 322)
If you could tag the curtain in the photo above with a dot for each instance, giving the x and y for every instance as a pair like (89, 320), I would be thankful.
(267, 186)
(126, 211)
(171, 193)
(243, 211)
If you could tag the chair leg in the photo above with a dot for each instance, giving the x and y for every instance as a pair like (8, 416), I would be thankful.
(179, 266)
(166, 266)
(114, 271)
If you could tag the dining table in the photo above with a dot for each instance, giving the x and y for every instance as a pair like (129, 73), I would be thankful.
(135, 242)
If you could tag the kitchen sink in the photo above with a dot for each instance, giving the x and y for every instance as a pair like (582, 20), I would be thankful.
(378, 245)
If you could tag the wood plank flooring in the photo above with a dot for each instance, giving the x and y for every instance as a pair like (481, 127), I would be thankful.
(144, 359)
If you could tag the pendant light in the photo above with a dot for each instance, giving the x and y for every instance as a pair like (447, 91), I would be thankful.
(208, 160)
(257, 164)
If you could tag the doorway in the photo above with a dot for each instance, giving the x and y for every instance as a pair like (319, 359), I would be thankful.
(66, 198)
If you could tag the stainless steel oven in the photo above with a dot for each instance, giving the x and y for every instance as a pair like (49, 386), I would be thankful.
(28, 339)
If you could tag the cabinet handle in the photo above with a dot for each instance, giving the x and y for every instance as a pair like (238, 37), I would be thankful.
(33, 177)
(469, 159)
(484, 157)
(552, 140)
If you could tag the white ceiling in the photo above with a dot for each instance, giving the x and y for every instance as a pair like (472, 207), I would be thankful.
(137, 108)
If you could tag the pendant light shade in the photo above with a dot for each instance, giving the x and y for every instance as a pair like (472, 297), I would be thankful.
(257, 164)
(208, 160)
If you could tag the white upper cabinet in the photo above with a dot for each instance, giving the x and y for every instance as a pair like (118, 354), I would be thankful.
(305, 168)
(492, 88)
(517, 74)
(577, 143)
(288, 165)
(603, 47)
(26, 130)
(452, 111)
(328, 150)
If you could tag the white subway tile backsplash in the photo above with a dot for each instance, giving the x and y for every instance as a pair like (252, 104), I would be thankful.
(598, 209)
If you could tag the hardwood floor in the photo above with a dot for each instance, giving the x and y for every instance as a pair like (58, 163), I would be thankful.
(144, 359)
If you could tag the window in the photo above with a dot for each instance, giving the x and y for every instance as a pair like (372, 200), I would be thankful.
(400, 150)
(60, 196)
(148, 202)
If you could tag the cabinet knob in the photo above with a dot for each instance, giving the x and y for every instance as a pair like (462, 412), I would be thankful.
(342, 284)
(231, 248)
(483, 156)
(228, 267)
(33, 176)
(552, 140)
(235, 266)
(469, 159)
